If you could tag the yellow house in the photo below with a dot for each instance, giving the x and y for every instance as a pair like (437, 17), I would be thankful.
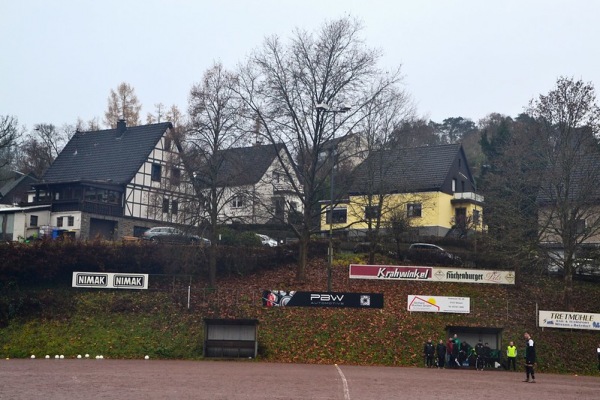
(431, 188)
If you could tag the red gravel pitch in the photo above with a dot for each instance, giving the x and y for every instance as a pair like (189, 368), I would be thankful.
(157, 379)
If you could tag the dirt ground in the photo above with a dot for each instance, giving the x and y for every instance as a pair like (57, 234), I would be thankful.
(158, 379)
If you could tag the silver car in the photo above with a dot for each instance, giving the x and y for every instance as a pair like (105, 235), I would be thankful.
(169, 234)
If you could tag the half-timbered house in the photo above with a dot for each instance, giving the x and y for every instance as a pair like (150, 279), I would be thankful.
(118, 182)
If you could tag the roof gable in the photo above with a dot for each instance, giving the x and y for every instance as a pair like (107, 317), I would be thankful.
(405, 170)
(15, 191)
(105, 155)
(244, 165)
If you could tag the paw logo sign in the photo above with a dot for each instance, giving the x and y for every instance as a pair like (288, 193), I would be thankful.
(279, 298)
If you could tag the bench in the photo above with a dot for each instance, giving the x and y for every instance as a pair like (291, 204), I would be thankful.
(230, 348)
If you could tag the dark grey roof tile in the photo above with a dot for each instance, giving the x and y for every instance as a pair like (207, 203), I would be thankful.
(105, 155)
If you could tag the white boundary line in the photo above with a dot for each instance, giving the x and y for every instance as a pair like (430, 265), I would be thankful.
(344, 382)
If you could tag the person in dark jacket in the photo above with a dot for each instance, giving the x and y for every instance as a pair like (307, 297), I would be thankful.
(449, 351)
(487, 355)
(480, 361)
(429, 352)
(440, 349)
(529, 358)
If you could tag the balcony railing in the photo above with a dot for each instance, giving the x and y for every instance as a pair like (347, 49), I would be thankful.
(469, 196)
(87, 206)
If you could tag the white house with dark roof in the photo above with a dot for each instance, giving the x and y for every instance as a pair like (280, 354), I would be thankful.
(254, 185)
(118, 182)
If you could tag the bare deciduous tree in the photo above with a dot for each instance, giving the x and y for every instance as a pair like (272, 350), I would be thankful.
(41, 147)
(568, 118)
(91, 125)
(9, 134)
(122, 104)
(284, 83)
(216, 125)
(382, 116)
(164, 114)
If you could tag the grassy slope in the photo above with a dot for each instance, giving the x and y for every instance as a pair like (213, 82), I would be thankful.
(122, 324)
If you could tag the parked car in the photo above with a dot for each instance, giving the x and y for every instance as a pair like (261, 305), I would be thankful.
(172, 235)
(583, 267)
(431, 254)
(267, 241)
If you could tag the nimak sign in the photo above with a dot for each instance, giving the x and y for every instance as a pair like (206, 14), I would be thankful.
(109, 280)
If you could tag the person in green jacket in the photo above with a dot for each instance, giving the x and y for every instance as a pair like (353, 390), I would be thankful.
(511, 356)
(456, 347)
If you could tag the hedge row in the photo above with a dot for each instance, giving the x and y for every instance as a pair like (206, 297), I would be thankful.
(49, 261)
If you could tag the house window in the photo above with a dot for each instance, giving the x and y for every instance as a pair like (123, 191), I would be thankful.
(460, 216)
(70, 221)
(175, 176)
(59, 222)
(165, 207)
(279, 208)
(476, 217)
(413, 210)
(453, 185)
(462, 185)
(156, 172)
(339, 216)
(580, 226)
(33, 220)
(371, 212)
(167, 143)
(237, 202)
(174, 206)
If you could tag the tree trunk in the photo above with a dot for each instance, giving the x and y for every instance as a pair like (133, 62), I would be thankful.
(568, 290)
(303, 258)
(371, 255)
(212, 265)
(212, 249)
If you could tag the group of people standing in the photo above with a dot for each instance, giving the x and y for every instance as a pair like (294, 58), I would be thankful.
(453, 354)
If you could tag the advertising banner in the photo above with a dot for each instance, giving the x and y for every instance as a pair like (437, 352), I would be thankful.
(431, 274)
(280, 298)
(109, 280)
(569, 320)
(422, 303)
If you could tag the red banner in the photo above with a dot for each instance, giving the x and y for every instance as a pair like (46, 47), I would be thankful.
(391, 272)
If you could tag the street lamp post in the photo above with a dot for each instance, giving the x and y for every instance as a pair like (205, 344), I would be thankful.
(323, 107)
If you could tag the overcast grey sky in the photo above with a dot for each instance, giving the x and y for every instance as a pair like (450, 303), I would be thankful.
(60, 59)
